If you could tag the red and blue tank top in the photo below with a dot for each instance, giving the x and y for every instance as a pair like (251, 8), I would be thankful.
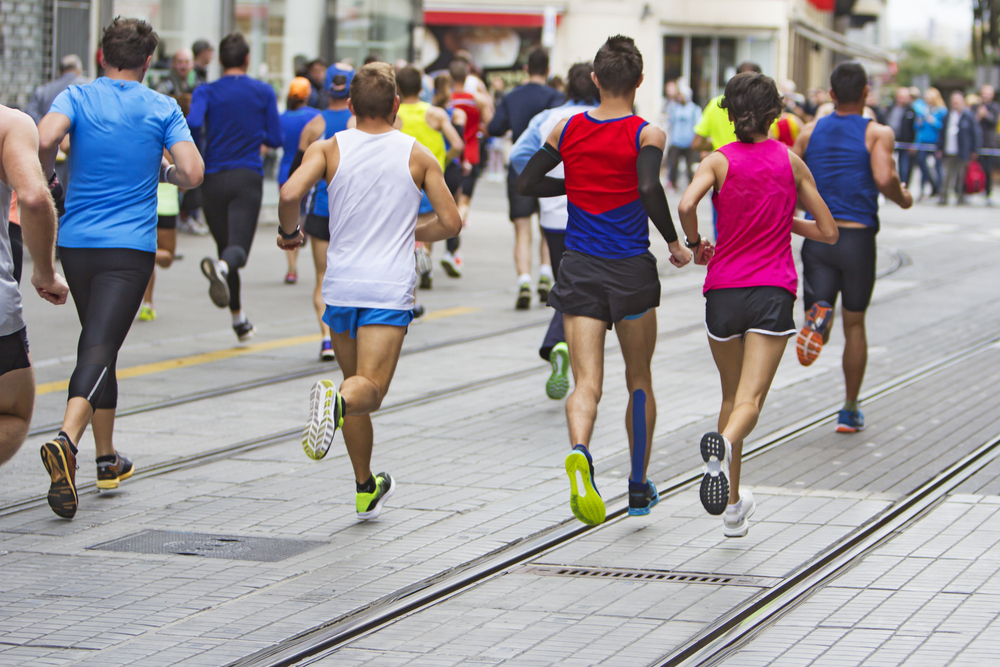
(606, 216)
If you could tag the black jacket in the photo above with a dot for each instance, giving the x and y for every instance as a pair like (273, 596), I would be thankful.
(969, 135)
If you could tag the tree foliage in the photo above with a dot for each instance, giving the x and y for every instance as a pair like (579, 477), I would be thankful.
(986, 31)
(920, 57)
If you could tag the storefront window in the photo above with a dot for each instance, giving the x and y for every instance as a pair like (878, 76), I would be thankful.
(262, 22)
(707, 63)
(379, 28)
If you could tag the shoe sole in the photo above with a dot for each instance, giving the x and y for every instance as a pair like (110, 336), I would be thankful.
(543, 295)
(644, 511)
(426, 282)
(451, 270)
(808, 345)
(743, 528)
(373, 514)
(108, 484)
(218, 290)
(246, 336)
(323, 420)
(324, 356)
(523, 302)
(714, 492)
(588, 507)
(557, 385)
(62, 492)
(849, 429)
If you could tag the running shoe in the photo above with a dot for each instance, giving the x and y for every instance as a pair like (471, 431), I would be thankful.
(736, 519)
(370, 504)
(60, 462)
(218, 289)
(584, 499)
(850, 422)
(810, 338)
(426, 281)
(544, 287)
(640, 500)
(113, 469)
(192, 226)
(523, 297)
(291, 278)
(558, 385)
(326, 415)
(717, 453)
(146, 313)
(452, 265)
(244, 330)
(326, 351)
(418, 313)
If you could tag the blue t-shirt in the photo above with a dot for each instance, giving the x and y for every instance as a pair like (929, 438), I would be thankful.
(235, 115)
(292, 124)
(118, 130)
(336, 121)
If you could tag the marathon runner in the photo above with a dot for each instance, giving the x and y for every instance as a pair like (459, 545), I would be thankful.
(167, 209)
(515, 111)
(335, 118)
(851, 159)
(20, 171)
(583, 96)
(239, 114)
(294, 119)
(375, 175)
(751, 283)
(607, 276)
(107, 239)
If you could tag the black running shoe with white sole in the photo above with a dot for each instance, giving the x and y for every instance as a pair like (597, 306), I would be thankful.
(717, 453)
(218, 289)
(244, 330)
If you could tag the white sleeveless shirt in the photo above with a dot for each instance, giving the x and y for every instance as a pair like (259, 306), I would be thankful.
(373, 217)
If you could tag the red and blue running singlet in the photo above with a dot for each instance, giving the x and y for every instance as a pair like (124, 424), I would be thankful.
(606, 217)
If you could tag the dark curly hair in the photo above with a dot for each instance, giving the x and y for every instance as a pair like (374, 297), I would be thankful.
(753, 102)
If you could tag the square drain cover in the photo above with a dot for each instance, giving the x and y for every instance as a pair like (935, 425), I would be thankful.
(233, 547)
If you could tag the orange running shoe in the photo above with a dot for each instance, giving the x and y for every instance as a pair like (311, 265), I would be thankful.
(810, 338)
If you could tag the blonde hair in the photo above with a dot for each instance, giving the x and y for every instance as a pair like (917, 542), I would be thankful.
(373, 90)
(935, 95)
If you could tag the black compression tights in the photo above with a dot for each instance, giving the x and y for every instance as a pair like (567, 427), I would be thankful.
(107, 286)
(231, 202)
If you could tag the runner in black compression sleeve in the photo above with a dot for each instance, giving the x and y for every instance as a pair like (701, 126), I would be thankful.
(654, 200)
(533, 181)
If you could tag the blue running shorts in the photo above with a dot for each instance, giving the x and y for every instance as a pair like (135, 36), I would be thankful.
(345, 318)
(425, 205)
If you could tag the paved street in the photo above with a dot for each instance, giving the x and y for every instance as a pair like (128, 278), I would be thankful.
(241, 543)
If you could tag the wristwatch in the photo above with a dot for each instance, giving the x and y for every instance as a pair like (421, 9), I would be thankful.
(289, 237)
(694, 244)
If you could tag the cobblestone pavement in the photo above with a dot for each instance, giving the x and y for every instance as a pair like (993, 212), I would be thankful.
(477, 450)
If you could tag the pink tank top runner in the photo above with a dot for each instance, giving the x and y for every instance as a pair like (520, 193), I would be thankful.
(755, 209)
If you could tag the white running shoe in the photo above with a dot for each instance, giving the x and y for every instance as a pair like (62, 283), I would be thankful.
(736, 520)
(326, 415)
(218, 289)
(452, 265)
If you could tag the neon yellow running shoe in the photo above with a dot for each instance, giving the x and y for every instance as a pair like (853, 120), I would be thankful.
(584, 499)
(326, 415)
(146, 313)
(370, 504)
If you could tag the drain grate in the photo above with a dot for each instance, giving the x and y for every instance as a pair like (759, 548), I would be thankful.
(232, 547)
(667, 576)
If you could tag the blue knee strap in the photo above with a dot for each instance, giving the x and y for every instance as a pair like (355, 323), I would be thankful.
(638, 434)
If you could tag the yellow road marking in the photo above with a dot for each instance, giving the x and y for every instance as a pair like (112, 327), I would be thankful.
(218, 355)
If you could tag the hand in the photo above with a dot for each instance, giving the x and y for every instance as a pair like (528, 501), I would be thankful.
(704, 253)
(907, 197)
(679, 255)
(52, 288)
(55, 188)
(291, 244)
(466, 167)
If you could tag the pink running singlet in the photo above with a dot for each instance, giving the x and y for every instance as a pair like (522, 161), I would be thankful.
(755, 208)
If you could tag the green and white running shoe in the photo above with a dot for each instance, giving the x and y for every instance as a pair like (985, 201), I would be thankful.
(584, 498)
(326, 415)
(558, 384)
(370, 504)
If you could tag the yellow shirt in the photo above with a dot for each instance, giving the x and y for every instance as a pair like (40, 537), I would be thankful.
(715, 124)
(414, 117)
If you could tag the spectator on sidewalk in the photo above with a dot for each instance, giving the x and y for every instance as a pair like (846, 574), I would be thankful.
(682, 117)
(988, 114)
(929, 121)
(901, 117)
(958, 144)
(70, 73)
(203, 52)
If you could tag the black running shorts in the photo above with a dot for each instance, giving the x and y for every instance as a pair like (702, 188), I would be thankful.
(166, 222)
(736, 311)
(317, 226)
(14, 351)
(606, 289)
(453, 177)
(520, 206)
(847, 267)
(469, 180)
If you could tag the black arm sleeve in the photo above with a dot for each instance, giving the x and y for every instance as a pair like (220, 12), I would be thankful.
(654, 200)
(296, 162)
(533, 182)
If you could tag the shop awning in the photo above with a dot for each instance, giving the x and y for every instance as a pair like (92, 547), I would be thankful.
(840, 44)
(507, 17)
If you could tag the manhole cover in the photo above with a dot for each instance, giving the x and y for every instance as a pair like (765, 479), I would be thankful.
(666, 576)
(232, 547)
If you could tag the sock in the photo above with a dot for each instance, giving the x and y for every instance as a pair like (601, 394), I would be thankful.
(851, 406)
(367, 487)
(65, 436)
(223, 267)
(239, 318)
(524, 278)
(147, 303)
(638, 434)
(545, 270)
(326, 339)
(110, 458)
(637, 487)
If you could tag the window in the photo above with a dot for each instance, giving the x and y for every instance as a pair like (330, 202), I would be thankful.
(706, 63)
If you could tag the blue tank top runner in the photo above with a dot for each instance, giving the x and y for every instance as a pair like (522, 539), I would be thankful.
(839, 160)
(336, 121)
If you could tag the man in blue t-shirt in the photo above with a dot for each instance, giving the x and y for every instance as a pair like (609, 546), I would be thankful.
(237, 115)
(118, 130)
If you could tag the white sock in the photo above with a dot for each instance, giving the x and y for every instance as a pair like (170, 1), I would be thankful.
(546, 270)
(239, 317)
(524, 278)
(326, 339)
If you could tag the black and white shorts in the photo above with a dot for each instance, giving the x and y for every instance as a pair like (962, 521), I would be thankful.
(606, 289)
(14, 351)
(736, 311)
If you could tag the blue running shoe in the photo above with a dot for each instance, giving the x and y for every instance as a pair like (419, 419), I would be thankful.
(850, 422)
(641, 500)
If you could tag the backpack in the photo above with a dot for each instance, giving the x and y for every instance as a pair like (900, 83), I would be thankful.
(975, 178)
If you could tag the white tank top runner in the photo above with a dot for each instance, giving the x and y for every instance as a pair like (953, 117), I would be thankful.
(373, 217)
(10, 298)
